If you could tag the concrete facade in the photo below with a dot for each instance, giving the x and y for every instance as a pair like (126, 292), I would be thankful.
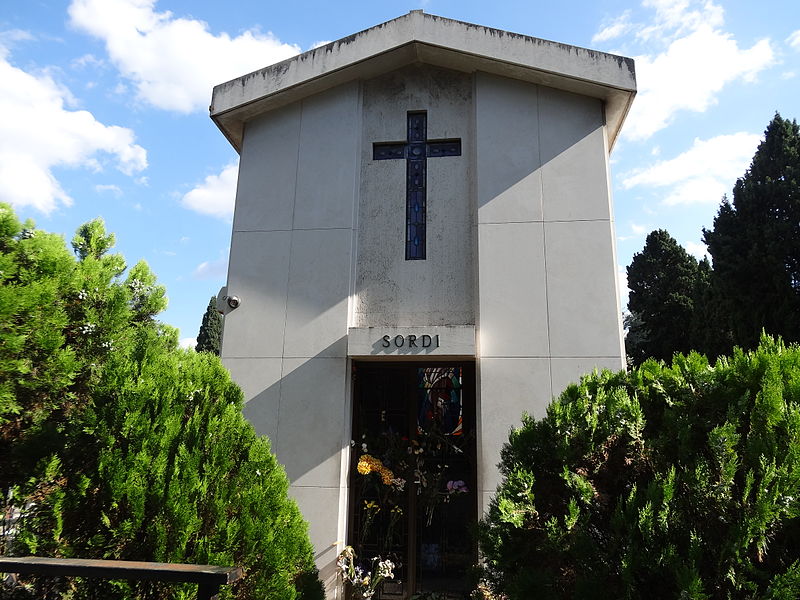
(520, 271)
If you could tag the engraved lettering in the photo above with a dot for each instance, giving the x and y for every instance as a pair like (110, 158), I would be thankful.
(385, 343)
(437, 340)
(412, 339)
(426, 341)
(399, 340)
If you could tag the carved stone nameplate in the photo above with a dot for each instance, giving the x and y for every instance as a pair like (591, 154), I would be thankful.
(411, 341)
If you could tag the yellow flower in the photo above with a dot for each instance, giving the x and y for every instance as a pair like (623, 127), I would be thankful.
(386, 476)
(369, 464)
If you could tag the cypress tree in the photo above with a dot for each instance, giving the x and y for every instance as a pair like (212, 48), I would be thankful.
(209, 339)
(755, 241)
(666, 286)
(117, 444)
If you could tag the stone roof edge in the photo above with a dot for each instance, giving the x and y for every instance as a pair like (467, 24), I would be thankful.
(420, 37)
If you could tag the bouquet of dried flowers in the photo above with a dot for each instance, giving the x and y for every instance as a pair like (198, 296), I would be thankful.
(365, 584)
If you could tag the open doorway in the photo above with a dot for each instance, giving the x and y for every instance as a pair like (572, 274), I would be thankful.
(413, 474)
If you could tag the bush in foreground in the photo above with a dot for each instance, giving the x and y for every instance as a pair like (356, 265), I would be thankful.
(678, 481)
(117, 444)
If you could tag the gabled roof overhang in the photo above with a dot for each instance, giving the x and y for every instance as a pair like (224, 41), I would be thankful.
(419, 38)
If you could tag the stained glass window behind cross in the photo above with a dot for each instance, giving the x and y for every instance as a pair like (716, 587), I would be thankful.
(416, 150)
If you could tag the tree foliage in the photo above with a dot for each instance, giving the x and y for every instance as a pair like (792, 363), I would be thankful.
(209, 338)
(667, 286)
(755, 241)
(678, 481)
(754, 285)
(115, 443)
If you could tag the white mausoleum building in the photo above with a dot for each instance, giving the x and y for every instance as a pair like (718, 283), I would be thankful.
(422, 250)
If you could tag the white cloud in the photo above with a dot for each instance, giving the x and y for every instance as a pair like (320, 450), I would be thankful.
(676, 18)
(636, 232)
(794, 40)
(689, 62)
(702, 174)
(697, 249)
(38, 133)
(614, 28)
(319, 44)
(212, 269)
(688, 76)
(10, 36)
(188, 342)
(173, 62)
(87, 60)
(111, 188)
(216, 195)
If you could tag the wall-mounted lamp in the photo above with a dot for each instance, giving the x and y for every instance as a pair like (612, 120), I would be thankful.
(226, 303)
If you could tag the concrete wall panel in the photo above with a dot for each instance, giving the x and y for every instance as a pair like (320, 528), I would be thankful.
(508, 388)
(258, 274)
(260, 380)
(311, 420)
(581, 289)
(268, 172)
(512, 296)
(509, 183)
(328, 160)
(319, 286)
(321, 505)
(573, 152)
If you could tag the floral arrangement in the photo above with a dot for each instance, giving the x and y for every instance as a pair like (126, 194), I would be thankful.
(365, 585)
(484, 592)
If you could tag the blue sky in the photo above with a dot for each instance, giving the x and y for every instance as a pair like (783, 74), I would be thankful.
(104, 110)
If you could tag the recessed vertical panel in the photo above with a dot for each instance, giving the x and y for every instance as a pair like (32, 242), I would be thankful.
(328, 160)
(268, 172)
(391, 290)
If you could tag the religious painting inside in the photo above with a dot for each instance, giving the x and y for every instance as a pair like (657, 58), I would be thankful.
(413, 474)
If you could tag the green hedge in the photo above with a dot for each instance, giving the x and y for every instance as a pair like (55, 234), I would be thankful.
(678, 481)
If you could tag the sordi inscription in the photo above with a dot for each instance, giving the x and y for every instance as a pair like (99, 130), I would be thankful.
(411, 341)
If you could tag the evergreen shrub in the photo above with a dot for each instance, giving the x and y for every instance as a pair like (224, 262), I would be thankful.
(670, 481)
(117, 444)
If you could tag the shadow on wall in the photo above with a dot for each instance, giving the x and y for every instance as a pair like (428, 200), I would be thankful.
(304, 414)
(517, 112)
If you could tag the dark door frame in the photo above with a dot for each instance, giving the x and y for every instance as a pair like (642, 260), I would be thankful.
(469, 416)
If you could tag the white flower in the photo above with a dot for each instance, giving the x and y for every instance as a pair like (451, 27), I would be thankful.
(386, 569)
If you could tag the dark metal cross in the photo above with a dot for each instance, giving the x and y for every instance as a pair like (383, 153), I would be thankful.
(416, 151)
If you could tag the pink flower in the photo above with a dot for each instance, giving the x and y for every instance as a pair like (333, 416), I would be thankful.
(455, 487)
